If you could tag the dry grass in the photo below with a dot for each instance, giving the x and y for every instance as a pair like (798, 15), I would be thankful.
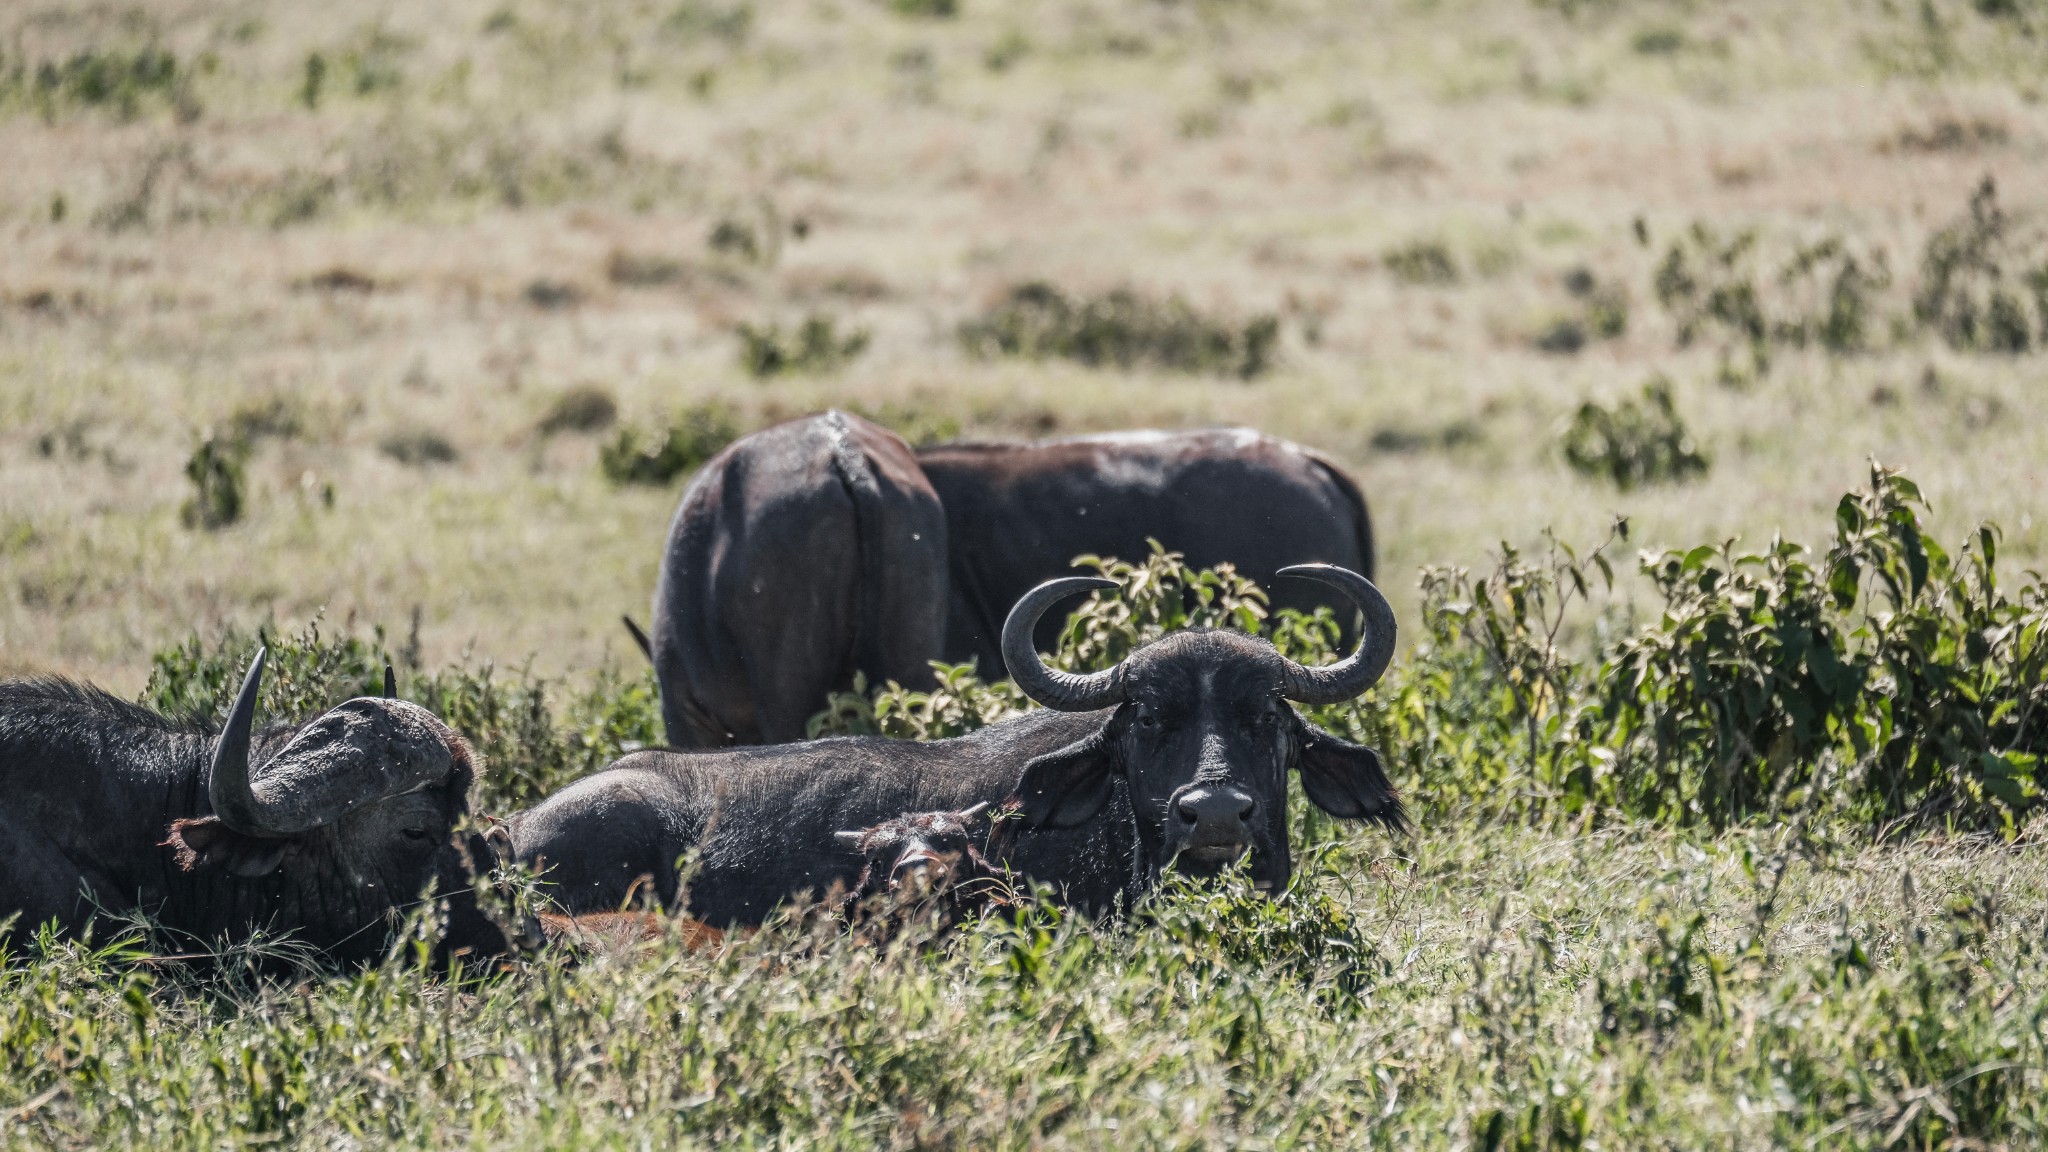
(488, 206)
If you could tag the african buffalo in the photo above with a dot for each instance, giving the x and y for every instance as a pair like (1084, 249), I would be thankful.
(323, 830)
(1017, 514)
(799, 555)
(1178, 756)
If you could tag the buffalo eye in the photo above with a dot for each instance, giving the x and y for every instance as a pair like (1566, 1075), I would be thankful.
(415, 834)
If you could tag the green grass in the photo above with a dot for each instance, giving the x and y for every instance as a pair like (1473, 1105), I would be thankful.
(1475, 986)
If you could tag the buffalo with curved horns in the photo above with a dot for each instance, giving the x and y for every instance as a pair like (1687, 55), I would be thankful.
(324, 830)
(1177, 757)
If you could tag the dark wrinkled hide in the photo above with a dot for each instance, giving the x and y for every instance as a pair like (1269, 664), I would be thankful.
(799, 555)
(105, 804)
(1017, 514)
(1095, 790)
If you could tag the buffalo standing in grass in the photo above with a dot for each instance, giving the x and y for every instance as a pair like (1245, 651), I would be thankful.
(1177, 757)
(1017, 514)
(799, 555)
(324, 830)
(823, 547)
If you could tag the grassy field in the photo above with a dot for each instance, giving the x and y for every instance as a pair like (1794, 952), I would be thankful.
(410, 271)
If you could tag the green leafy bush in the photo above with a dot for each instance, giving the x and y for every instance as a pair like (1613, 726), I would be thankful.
(697, 434)
(816, 345)
(124, 81)
(1424, 262)
(1983, 286)
(1158, 595)
(1121, 329)
(1822, 293)
(532, 735)
(1633, 442)
(216, 470)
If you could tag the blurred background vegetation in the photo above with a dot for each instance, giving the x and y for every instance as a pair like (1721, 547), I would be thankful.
(432, 310)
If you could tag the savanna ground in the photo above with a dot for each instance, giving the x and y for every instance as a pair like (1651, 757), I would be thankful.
(410, 274)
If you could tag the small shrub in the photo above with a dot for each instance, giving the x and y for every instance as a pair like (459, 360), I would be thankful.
(120, 81)
(928, 9)
(1426, 262)
(731, 237)
(552, 294)
(1121, 329)
(1659, 41)
(419, 447)
(1708, 284)
(703, 20)
(696, 435)
(1562, 337)
(1634, 442)
(1833, 294)
(527, 743)
(215, 469)
(586, 408)
(1974, 278)
(1605, 305)
(637, 270)
(920, 424)
(815, 346)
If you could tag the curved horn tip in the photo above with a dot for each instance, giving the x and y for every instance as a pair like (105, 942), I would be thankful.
(1061, 691)
(970, 813)
(849, 839)
(390, 683)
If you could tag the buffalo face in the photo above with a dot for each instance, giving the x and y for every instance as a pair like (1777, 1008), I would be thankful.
(1202, 735)
(343, 826)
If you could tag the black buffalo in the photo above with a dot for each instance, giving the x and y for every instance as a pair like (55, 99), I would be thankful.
(323, 830)
(1176, 757)
(823, 547)
(799, 555)
(1017, 514)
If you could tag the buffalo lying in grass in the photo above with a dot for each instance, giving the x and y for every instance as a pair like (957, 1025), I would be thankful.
(1177, 757)
(325, 830)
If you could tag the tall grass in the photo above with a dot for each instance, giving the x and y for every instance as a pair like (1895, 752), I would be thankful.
(1645, 906)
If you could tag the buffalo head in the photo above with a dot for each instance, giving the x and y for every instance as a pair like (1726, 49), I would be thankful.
(340, 822)
(920, 857)
(1200, 733)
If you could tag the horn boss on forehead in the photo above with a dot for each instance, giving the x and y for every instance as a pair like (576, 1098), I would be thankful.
(356, 753)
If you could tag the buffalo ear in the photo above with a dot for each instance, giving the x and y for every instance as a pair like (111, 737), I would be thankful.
(1068, 787)
(1345, 779)
(208, 843)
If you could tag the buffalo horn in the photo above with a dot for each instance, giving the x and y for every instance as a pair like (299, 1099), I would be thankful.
(390, 683)
(234, 801)
(1351, 676)
(1060, 691)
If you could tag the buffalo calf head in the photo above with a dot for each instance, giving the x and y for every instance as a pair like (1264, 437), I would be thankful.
(921, 857)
